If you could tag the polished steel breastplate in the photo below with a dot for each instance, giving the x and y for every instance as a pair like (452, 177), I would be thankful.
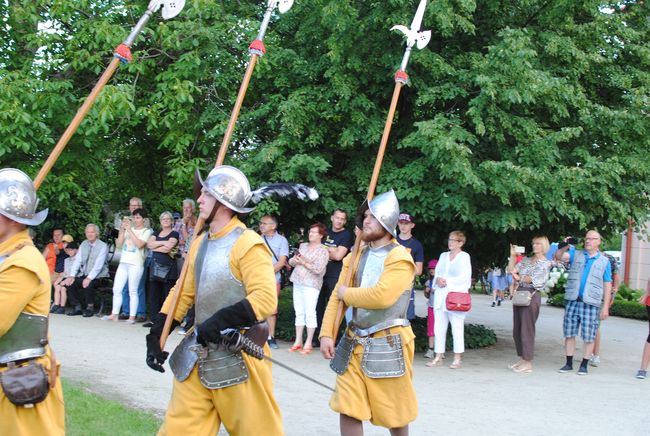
(369, 321)
(216, 287)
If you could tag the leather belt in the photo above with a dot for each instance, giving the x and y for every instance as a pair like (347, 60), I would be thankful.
(399, 322)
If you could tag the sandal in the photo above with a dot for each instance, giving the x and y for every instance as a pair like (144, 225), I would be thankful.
(305, 351)
(435, 362)
(294, 348)
(456, 364)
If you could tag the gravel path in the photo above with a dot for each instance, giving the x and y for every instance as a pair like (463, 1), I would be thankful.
(482, 398)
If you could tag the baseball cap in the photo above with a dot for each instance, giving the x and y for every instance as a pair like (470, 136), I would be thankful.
(72, 246)
(67, 238)
(432, 264)
(405, 217)
(176, 215)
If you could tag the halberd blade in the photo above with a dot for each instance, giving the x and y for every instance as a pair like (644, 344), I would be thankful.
(419, 15)
(423, 39)
(285, 5)
(171, 8)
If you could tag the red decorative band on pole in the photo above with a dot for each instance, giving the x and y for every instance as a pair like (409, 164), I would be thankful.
(257, 47)
(401, 76)
(123, 53)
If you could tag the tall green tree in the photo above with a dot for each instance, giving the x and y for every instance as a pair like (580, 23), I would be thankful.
(523, 116)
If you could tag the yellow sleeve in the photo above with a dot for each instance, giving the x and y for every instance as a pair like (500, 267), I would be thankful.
(397, 277)
(18, 286)
(189, 285)
(251, 263)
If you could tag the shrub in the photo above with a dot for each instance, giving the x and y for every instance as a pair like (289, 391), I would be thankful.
(556, 300)
(625, 293)
(476, 335)
(625, 304)
(628, 309)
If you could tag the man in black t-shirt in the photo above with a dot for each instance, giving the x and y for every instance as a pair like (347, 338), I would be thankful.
(338, 242)
(406, 239)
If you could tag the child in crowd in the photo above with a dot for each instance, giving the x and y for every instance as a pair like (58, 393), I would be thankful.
(499, 285)
(60, 291)
(428, 293)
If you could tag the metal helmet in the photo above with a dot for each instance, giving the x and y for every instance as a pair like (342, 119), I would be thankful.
(18, 199)
(385, 208)
(230, 186)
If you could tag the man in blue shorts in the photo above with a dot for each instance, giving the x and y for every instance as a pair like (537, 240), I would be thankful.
(589, 283)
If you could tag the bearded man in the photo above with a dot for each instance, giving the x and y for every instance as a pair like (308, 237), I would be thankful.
(374, 357)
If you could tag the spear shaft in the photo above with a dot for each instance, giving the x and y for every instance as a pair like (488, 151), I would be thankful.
(414, 37)
(122, 54)
(256, 50)
(74, 124)
(356, 252)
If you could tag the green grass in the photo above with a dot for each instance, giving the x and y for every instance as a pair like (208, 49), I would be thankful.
(89, 414)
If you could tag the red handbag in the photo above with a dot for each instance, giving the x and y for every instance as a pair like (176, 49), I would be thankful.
(459, 301)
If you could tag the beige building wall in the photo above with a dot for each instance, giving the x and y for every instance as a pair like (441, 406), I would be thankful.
(639, 268)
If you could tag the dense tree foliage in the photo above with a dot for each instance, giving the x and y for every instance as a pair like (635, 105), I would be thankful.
(522, 117)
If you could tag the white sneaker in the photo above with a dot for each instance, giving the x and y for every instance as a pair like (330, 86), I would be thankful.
(594, 361)
(429, 354)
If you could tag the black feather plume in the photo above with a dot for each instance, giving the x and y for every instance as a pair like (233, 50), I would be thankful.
(284, 190)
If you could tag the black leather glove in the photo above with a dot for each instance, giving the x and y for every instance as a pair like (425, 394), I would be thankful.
(155, 356)
(236, 316)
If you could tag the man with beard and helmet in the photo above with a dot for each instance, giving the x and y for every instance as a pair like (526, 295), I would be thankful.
(374, 357)
(230, 280)
(31, 399)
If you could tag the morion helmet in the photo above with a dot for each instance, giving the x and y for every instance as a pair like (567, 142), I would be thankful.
(385, 208)
(18, 200)
(229, 186)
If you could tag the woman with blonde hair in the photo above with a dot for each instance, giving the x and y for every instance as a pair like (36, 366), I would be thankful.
(453, 274)
(532, 274)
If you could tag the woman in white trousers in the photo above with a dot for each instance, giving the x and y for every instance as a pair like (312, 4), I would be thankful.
(309, 268)
(453, 274)
(132, 241)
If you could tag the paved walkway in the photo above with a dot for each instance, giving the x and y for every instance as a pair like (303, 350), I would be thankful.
(482, 398)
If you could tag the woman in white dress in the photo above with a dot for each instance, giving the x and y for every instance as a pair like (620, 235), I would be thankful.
(453, 274)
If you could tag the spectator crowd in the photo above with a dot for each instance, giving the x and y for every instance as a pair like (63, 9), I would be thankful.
(147, 262)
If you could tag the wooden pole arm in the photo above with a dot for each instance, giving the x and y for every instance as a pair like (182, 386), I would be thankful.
(178, 290)
(356, 252)
(74, 124)
(201, 222)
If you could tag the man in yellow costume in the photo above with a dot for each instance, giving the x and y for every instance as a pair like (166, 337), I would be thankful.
(31, 399)
(230, 280)
(374, 357)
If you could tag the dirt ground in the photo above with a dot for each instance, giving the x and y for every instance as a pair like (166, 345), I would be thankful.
(481, 398)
